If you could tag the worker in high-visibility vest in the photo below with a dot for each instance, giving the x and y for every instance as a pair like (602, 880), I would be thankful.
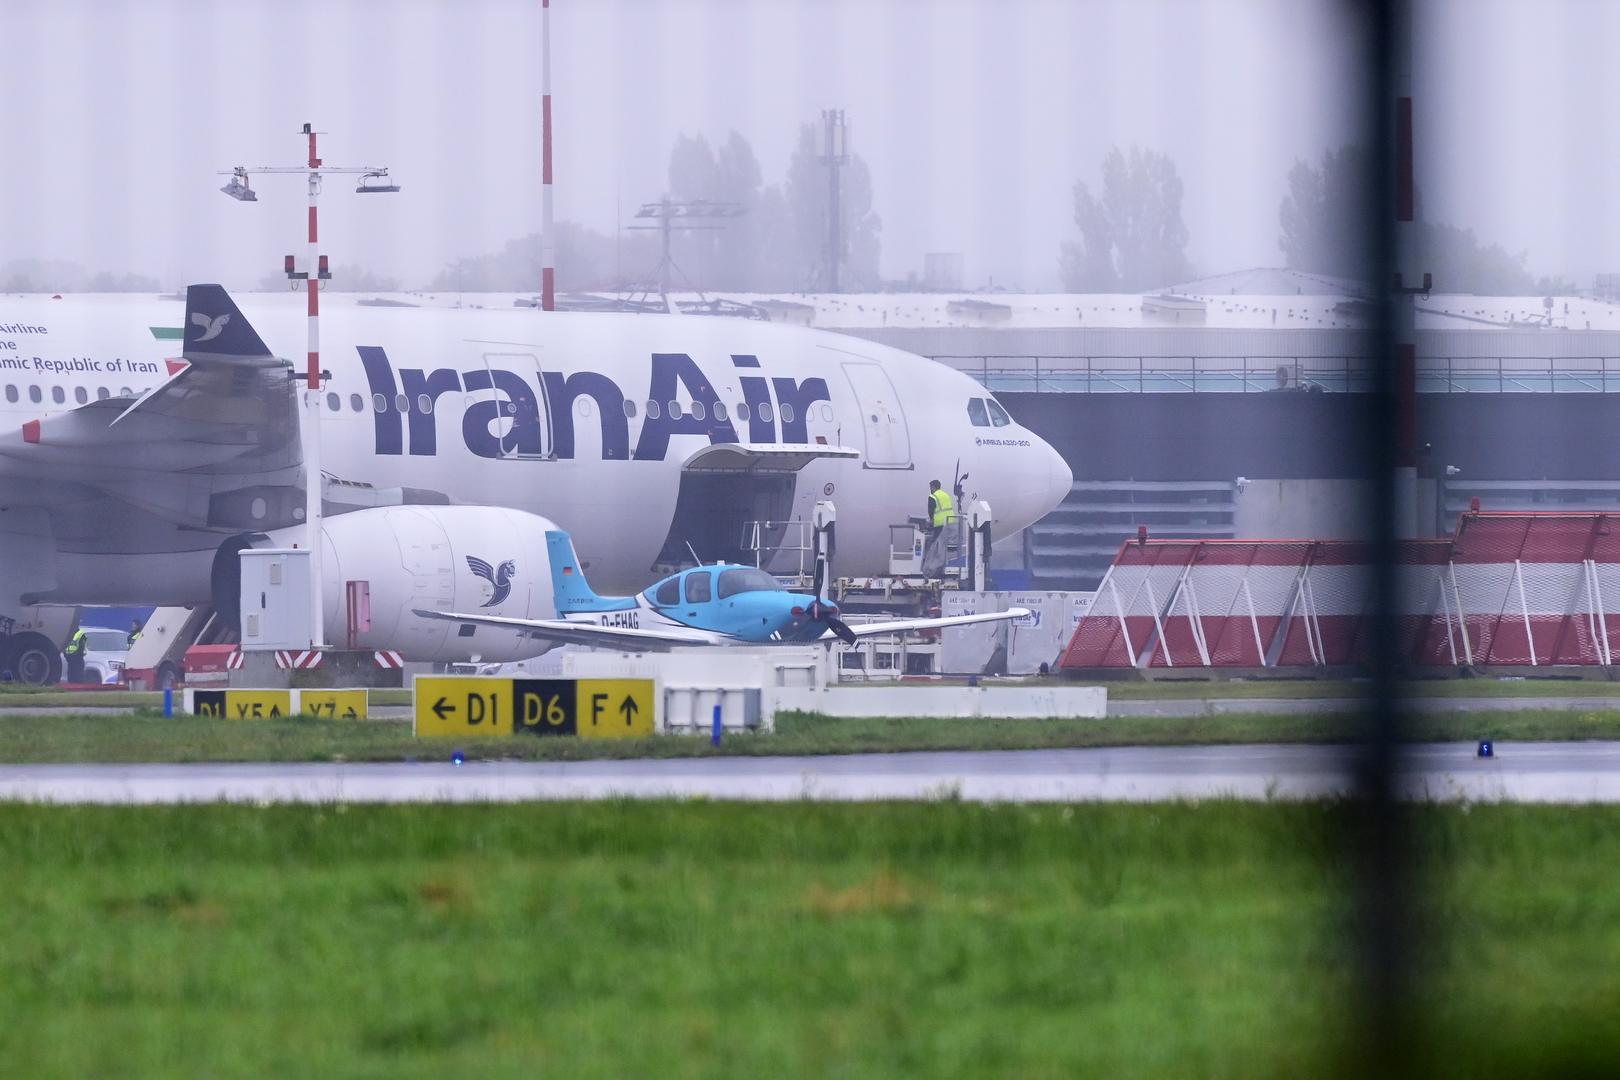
(134, 633)
(941, 515)
(74, 651)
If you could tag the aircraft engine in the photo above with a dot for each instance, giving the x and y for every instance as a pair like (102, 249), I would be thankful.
(483, 559)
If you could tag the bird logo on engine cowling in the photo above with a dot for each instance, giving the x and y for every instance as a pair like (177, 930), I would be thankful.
(499, 579)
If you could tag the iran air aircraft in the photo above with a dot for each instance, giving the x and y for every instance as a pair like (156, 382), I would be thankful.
(142, 446)
(723, 604)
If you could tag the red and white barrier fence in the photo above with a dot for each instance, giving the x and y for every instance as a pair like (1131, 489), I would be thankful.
(1508, 588)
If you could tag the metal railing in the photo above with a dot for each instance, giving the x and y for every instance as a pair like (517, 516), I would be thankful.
(797, 540)
(1260, 374)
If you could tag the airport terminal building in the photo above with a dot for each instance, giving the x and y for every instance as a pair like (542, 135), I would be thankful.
(1232, 407)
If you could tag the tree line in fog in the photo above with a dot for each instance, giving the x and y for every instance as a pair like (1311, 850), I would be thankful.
(1132, 237)
(776, 243)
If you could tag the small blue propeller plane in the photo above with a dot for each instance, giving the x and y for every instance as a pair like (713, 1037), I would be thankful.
(720, 604)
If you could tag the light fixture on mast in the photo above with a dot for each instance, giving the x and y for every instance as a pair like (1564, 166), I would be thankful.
(238, 188)
(376, 183)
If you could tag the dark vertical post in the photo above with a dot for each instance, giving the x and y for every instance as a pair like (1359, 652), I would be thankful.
(1378, 826)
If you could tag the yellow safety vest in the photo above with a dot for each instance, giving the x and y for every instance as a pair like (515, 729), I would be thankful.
(944, 509)
(75, 644)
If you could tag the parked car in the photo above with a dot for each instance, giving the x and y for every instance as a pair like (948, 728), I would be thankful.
(104, 654)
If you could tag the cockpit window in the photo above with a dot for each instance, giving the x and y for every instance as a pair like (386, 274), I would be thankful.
(998, 415)
(669, 593)
(697, 588)
(976, 412)
(746, 579)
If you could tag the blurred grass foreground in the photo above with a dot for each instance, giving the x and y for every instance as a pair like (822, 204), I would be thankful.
(702, 939)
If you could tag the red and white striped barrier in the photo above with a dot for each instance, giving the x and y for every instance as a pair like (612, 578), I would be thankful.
(1532, 589)
(234, 661)
(299, 661)
(1509, 588)
(387, 658)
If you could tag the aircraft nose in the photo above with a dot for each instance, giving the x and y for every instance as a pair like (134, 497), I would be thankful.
(1059, 478)
(1050, 480)
(1036, 479)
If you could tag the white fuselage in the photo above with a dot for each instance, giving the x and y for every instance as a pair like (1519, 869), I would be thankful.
(585, 418)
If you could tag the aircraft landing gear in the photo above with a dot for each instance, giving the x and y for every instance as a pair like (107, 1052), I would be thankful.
(30, 659)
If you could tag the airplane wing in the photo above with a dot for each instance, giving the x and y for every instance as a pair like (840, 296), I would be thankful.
(218, 437)
(906, 626)
(564, 632)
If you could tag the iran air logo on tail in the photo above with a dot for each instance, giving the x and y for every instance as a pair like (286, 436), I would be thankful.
(500, 579)
(211, 327)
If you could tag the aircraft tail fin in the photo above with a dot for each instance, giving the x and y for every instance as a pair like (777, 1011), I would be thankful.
(216, 327)
(568, 583)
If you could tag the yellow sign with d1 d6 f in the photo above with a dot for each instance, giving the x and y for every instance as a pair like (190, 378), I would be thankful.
(472, 705)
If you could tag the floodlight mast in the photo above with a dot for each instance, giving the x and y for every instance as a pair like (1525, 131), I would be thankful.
(314, 273)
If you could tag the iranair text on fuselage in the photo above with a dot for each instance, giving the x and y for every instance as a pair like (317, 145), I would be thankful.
(680, 400)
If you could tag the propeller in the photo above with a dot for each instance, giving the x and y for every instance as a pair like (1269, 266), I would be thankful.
(838, 626)
(823, 610)
(826, 614)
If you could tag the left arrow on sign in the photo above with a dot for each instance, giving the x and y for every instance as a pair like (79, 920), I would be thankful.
(441, 707)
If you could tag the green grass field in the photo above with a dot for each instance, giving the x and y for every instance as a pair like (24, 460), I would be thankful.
(149, 737)
(706, 939)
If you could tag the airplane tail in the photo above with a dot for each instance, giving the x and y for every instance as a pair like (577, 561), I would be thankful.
(568, 583)
(216, 327)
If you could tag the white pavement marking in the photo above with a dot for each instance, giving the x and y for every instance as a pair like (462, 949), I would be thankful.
(1525, 772)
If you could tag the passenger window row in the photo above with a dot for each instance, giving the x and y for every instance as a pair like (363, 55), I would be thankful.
(424, 405)
(59, 396)
(740, 411)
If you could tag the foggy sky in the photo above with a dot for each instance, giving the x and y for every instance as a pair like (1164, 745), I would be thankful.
(975, 116)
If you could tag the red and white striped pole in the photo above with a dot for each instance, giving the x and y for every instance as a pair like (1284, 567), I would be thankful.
(313, 493)
(314, 382)
(548, 253)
